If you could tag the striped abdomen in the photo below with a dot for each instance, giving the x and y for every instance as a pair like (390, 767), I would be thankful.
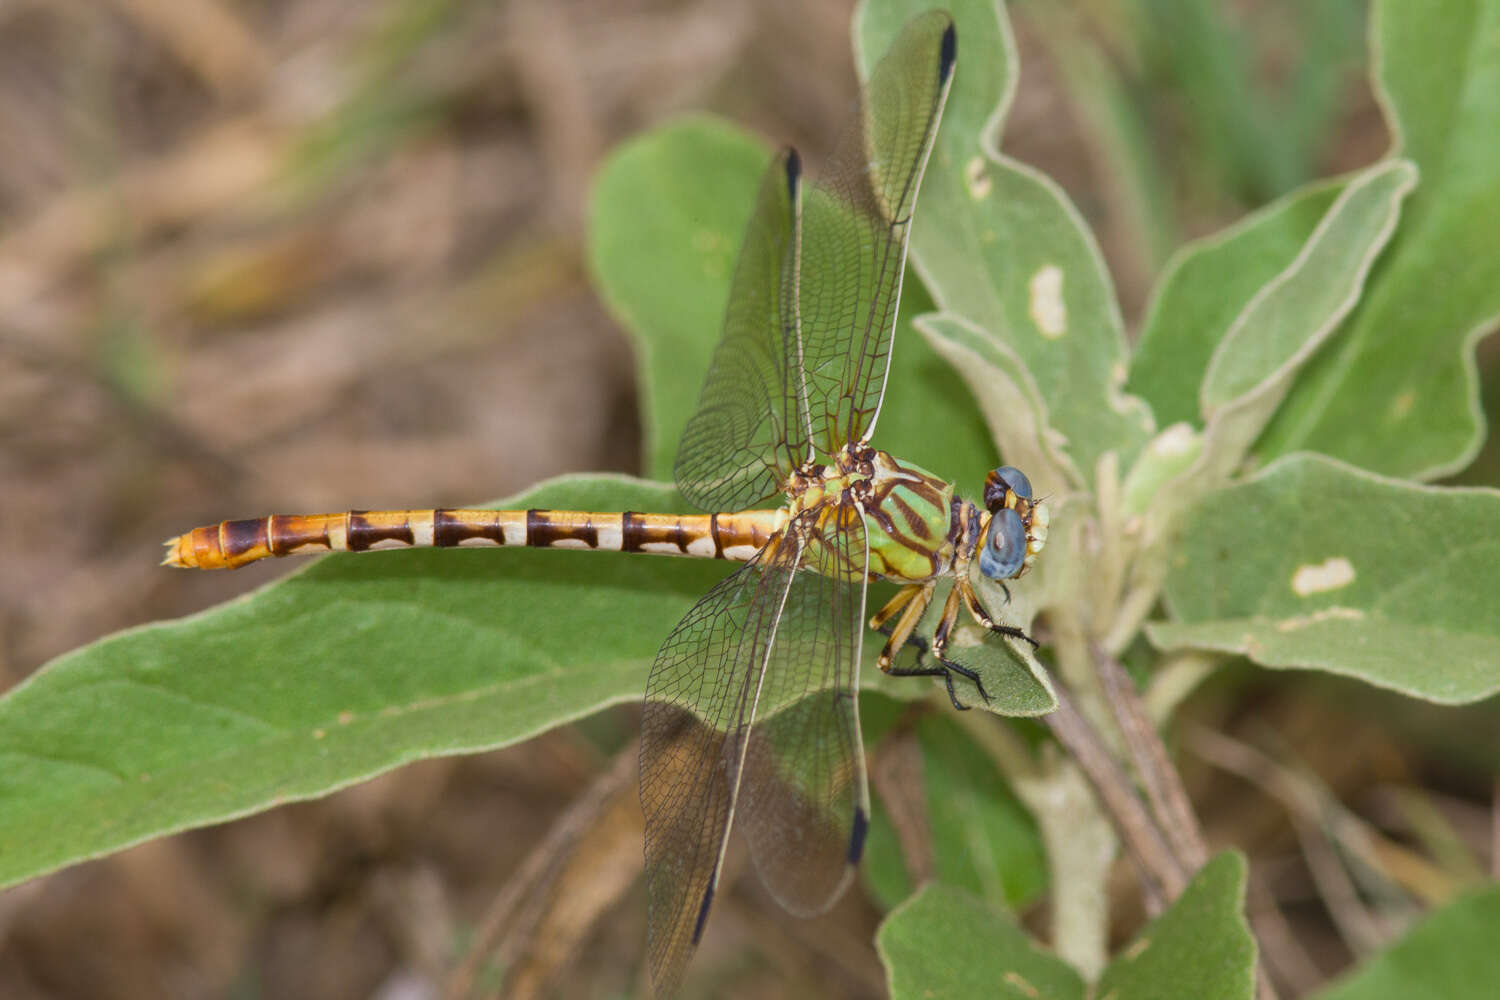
(231, 544)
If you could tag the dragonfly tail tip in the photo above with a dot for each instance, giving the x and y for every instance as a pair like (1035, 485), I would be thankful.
(173, 556)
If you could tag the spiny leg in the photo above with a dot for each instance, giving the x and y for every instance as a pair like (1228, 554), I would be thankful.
(940, 638)
(976, 610)
(910, 603)
(946, 668)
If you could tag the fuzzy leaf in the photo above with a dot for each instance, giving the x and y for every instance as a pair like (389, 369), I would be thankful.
(1200, 947)
(1205, 287)
(944, 942)
(1279, 329)
(1451, 955)
(1397, 391)
(1001, 246)
(1319, 565)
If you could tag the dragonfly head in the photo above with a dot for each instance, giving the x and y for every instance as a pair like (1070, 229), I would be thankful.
(1017, 527)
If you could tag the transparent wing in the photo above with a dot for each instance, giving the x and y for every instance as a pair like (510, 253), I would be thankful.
(700, 705)
(855, 225)
(751, 717)
(804, 803)
(807, 337)
(744, 438)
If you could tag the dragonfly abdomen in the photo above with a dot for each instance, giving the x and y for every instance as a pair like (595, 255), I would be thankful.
(231, 544)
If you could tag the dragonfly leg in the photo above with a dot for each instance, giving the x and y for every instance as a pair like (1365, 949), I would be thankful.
(940, 638)
(946, 668)
(971, 601)
(945, 671)
(909, 603)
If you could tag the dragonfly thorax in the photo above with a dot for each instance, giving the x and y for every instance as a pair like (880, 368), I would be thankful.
(905, 514)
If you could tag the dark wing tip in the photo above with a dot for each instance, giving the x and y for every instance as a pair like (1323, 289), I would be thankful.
(793, 171)
(708, 899)
(948, 53)
(861, 826)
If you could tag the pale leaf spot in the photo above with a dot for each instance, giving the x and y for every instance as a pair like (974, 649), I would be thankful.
(977, 179)
(708, 241)
(1048, 311)
(1331, 574)
(1015, 979)
(713, 252)
(1326, 615)
(1175, 440)
(1401, 406)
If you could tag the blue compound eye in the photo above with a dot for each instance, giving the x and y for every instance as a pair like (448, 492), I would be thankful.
(1004, 480)
(1015, 479)
(1004, 546)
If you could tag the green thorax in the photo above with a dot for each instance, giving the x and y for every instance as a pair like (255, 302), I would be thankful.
(908, 516)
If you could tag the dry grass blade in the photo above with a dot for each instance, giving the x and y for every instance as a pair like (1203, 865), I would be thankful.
(1324, 828)
(208, 37)
(1281, 950)
(593, 828)
(222, 165)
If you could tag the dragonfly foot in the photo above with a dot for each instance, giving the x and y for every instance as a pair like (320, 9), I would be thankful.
(1012, 632)
(945, 669)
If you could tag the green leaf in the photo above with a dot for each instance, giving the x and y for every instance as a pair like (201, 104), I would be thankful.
(666, 217)
(1000, 245)
(1450, 956)
(943, 942)
(1201, 947)
(1320, 565)
(1205, 287)
(1291, 314)
(982, 837)
(1397, 392)
(1276, 332)
(1007, 395)
(336, 673)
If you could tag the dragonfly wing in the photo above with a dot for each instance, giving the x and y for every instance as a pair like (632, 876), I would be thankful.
(855, 224)
(701, 701)
(749, 432)
(804, 803)
(807, 335)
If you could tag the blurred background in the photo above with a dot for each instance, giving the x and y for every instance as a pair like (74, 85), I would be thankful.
(304, 255)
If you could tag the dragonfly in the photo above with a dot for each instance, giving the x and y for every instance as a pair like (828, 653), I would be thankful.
(751, 717)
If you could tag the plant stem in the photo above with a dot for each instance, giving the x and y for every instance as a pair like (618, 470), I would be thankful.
(1139, 833)
(1164, 789)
